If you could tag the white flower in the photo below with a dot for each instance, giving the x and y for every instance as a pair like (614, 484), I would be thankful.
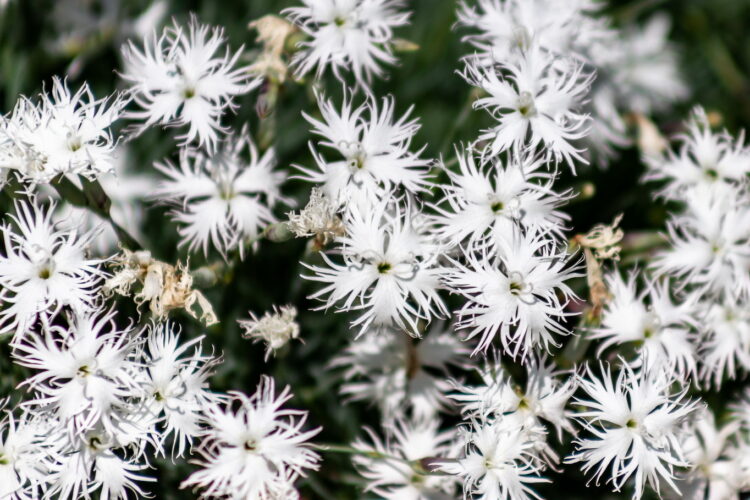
(26, 448)
(387, 269)
(716, 470)
(710, 242)
(93, 462)
(544, 396)
(634, 422)
(275, 329)
(352, 35)
(535, 103)
(400, 374)
(222, 199)
(84, 372)
(176, 383)
(500, 462)
(65, 133)
(484, 205)
(509, 27)
(253, 448)
(725, 343)
(372, 149)
(520, 294)
(663, 332)
(409, 442)
(704, 159)
(43, 269)
(180, 79)
(642, 65)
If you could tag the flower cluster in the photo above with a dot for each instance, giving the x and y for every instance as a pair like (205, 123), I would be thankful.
(458, 284)
(63, 134)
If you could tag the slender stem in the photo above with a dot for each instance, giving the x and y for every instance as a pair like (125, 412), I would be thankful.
(421, 467)
(93, 197)
(348, 450)
(458, 122)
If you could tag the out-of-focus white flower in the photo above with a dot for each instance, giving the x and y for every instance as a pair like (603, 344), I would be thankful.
(507, 28)
(725, 343)
(536, 104)
(519, 293)
(388, 269)
(662, 331)
(401, 375)
(484, 205)
(176, 383)
(716, 471)
(275, 329)
(222, 199)
(181, 78)
(26, 451)
(409, 442)
(608, 127)
(253, 449)
(499, 461)
(642, 65)
(349, 35)
(64, 133)
(43, 269)
(373, 150)
(635, 426)
(704, 159)
(709, 241)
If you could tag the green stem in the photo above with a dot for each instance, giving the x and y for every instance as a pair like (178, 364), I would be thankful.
(459, 121)
(93, 197)
(418, 466)
(348, 450)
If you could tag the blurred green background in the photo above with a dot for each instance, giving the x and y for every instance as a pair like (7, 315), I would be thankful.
(715, 58)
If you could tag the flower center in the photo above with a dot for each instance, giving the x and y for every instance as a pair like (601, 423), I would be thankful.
(384, 267)
(45, 264)
(525, 104)
(521, 37)
(188, 92)
(357, 162)
(498, 206)
(251, 445)
(631, 423)
(4, 460)
(83, 371)
(95, 443)
(517, 285)
(339, 21)
(74, 143)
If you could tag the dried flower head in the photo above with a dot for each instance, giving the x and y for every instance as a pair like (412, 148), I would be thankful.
(600, 243)
(272, 33)
(318, 219)
(275, 329)
(165, 287)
